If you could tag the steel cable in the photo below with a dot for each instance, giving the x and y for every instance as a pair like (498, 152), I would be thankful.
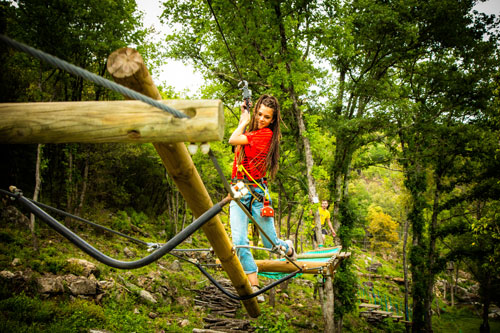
(75, 70)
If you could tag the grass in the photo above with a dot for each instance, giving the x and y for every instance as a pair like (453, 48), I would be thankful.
(121, 310)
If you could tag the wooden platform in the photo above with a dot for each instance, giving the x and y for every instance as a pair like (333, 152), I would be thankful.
(373, 314)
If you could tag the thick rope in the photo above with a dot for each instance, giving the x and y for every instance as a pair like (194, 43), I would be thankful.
(224, 38)
(75, 70)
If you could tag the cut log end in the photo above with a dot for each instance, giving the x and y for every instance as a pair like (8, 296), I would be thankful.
(124, 62)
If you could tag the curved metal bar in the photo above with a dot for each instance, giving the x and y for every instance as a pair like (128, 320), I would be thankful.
(96, 254)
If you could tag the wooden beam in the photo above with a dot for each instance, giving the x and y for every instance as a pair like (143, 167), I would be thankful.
(309, 267)
(180, 167)
(316, 255)
(110, 121)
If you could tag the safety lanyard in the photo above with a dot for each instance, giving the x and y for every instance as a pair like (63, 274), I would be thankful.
(241, 167)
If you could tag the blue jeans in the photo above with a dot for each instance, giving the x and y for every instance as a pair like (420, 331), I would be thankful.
(239, 230)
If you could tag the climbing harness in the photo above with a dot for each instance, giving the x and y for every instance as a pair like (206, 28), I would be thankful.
(75, 70)
(266, 210)
(275, 249)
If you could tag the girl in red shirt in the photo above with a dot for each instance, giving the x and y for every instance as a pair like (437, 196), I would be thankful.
(258, 152)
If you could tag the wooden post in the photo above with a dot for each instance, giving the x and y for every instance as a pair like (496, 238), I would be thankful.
(127, 66)
(110, 121)
(328, 304)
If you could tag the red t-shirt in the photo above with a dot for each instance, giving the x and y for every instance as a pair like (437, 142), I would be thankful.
(256, 151)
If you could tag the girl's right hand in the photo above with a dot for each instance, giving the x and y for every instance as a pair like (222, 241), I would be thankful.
(245, 115)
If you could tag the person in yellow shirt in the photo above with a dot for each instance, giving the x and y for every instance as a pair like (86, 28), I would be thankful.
(324, 216)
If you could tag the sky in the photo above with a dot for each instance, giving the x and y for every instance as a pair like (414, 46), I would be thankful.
(183, 77)
(174, 73)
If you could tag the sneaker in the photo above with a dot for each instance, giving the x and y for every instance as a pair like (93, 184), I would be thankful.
(292, 256)
(260, 298)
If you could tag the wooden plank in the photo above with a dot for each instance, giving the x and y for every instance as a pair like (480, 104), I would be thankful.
(369, 306)
(180, 167)
(110, 121)
(287, 267)
(382, 313)
(316, 255)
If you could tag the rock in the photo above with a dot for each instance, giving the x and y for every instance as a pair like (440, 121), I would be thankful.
(175, 266)
(7, 275)
(87, 267)
(136, 311)
(16, 282)
(104, 284)
(50, 284)
(152, 315)
(183, 301)
(305, 283)
(368, 284)
(129, 253)
(374, 267)
(79, 285)
(12, 215)
(147, 297)
(184, 323)
(16, 262)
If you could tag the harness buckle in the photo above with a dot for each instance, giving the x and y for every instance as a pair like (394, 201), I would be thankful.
(239, 189)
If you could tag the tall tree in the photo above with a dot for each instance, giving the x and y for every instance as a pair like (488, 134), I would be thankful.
(268, 45)
(84, 34)
(447, 85)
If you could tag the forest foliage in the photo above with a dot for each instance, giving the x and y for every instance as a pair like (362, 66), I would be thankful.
(388, 113)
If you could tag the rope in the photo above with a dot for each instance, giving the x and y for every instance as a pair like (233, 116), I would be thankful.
(96, 254)
(231, 295)
(224, 38)
(55, 210)
(56, 62)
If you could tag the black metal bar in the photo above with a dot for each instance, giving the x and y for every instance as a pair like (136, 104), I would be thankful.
(96, 254)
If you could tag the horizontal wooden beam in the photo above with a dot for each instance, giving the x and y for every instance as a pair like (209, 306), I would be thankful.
(309, 267)
(316, 255)
(110, 121)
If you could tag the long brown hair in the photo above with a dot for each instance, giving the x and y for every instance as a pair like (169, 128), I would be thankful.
(273, 156)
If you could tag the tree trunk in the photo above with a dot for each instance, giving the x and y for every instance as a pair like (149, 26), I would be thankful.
(176, 212)
(184, 216)
(36, 192)
(336, 198)
(280, 212)
(431, 258)
(405, 272)
(329, 305)
(300, 123)
(297, 230)
(288, 220)
(84, 185)
(69, 186)
(452, 287)
(486, 300)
